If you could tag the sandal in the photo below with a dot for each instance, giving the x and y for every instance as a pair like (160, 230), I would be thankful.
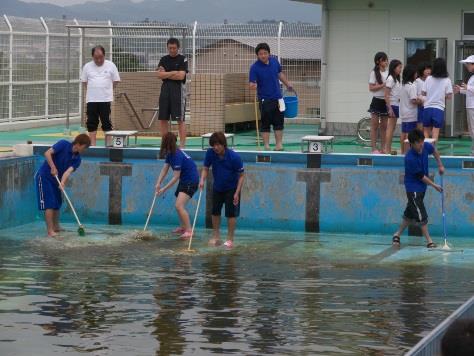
(396, 240)
(431, 245)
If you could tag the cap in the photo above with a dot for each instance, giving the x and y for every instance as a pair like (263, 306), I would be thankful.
(469, 59)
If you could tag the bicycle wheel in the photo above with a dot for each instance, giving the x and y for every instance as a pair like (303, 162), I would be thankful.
(363, 129)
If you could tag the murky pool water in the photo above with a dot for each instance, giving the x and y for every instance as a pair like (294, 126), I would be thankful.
(275, 293)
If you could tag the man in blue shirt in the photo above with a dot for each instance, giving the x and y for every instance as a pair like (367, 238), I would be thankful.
(416, 182)
(62, 159)
(265, 75)
(228, 174)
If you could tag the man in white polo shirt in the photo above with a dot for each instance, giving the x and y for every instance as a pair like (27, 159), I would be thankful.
(99, 78)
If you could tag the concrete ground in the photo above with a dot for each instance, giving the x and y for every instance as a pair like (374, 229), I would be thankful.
(243, 140)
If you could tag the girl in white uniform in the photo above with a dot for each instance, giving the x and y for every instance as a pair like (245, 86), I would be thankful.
(392, 100)
(378, 109)
(424, 71)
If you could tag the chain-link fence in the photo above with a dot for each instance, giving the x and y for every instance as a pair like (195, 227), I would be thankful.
(33, 67)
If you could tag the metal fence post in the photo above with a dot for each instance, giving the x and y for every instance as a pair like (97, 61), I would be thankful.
(68, 79)
(46, 87)
(81, 54)
(10, 71)
(280, 29)
(193, 71)
(111, 39)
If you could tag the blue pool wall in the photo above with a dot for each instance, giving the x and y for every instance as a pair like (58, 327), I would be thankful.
(284, 191)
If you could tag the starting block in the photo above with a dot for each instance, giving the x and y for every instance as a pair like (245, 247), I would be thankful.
(209, 134)
(317, 144)
(119, 139)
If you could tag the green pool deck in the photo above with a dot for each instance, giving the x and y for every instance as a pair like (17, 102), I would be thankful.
(245, 140)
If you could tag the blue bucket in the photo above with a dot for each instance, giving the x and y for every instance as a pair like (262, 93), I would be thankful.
(291, 106)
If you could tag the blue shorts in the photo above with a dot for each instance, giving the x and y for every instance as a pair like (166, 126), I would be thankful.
(420, 114)
(433, 117)
(408, 126)
(47, 193)
(396, 110)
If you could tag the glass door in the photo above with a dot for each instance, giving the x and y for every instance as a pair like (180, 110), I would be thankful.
(461, 75)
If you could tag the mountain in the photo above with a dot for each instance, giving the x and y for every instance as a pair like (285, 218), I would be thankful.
(211, 11)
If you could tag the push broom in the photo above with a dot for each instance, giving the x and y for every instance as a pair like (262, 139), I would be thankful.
(80, 229)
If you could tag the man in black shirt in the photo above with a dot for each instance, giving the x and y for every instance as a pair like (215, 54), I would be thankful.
(172, 71)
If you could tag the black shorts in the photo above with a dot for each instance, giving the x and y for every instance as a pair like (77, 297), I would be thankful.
(188, 188)
(172, 103)
(96, 111)
(271, 115)
(378, 106)
(219, 198)
(415, 211)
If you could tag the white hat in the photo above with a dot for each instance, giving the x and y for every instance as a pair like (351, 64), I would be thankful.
(469, 59)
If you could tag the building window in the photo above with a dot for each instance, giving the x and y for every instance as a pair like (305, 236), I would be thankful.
(468, 25)
(424, 50)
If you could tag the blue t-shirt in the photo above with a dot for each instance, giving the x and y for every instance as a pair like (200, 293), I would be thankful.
(63, 158)
(266, 77)
(180, 161)
(416, 166)
(225, 170)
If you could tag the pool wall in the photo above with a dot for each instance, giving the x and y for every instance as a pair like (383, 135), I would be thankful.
(350, 193)
(17, 203)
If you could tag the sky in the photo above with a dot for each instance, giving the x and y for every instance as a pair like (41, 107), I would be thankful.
(70, 2)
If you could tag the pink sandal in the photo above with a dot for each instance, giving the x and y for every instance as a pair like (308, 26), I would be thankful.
(179, 230)
(186, 235)
(229, 244)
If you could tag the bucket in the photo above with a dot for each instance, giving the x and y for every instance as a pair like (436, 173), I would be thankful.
(291, 105)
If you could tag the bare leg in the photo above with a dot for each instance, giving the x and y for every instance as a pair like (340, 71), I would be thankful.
(391, 123)
(57, 227)
(374, 127)
(182, 134)
(49, 218)
(163, 127)
(183, 215)
(419, 126)
(401, 228)
(93, 137)
(216, 237)
(231, 222)
(403, 145)
(266, 140)
(278, 140)
(426, 234)
(427, 132)
(435, 134)
(383, 132)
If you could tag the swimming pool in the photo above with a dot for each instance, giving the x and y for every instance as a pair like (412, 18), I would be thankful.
(276, 292)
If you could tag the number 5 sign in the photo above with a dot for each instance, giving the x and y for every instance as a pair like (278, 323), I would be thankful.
(118, 141)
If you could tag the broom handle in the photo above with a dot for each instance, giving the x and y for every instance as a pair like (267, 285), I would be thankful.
(149, 212)
(256, 122)
(195, 218)
(442, 207)
(69, 201)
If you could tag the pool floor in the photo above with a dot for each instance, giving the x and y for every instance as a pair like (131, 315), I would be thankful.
(109, 293)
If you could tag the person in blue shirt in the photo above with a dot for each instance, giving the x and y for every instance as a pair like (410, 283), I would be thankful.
(416, 182)
(265, 76)
(62, 159)
(228, 175)
(184, 171)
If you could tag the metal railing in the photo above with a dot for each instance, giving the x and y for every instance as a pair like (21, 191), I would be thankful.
(430, 345)
(41, 59)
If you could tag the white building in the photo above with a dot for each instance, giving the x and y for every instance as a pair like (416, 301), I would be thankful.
(354, 30)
